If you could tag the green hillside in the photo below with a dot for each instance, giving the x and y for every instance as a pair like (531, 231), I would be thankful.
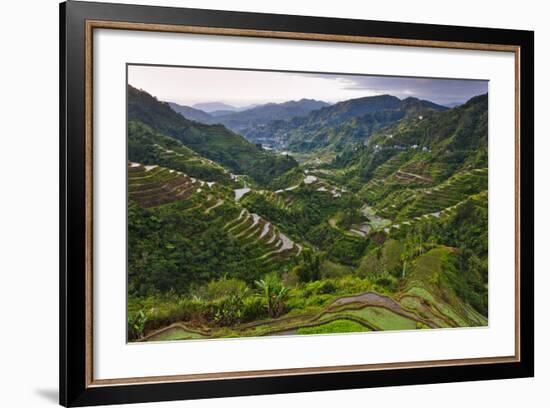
(228, 240)
(150, 147)
(214, 142)
(339, 125)
(192, 114)
(184, 231)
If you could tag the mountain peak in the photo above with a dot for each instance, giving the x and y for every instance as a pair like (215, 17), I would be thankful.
(478, 99)
(413, 102)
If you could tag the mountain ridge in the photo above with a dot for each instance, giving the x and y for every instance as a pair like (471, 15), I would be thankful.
(213, 106)
(214, 142)
(390, 235)
(347, 121)
(263, 114)
(191, 113)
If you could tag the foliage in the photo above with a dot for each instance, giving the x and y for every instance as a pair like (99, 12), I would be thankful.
(201, 258)
(215, 142)
(170, 248)
(275, 294)
(347, 250)
(309, 269)
(136, 325)
(224, 287)
(228, 311)
(338, 125)
(147, 146)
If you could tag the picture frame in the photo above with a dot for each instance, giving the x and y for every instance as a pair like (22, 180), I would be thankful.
(78, 384)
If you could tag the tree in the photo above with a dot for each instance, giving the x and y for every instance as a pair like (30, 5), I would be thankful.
(310, 268)
(406, 255)
(275, 294)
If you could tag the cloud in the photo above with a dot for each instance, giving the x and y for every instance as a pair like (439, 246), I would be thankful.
(187, 86)
(443, 91)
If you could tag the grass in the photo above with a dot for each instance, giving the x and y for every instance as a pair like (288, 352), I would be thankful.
(336, 326)
(424, 310)
(427, 280)
(383, 319)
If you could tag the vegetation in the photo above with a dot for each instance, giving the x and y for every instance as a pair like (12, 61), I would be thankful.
(214, 142)
(337, 125)
(226, 239)
(336, 326)
(261, 115)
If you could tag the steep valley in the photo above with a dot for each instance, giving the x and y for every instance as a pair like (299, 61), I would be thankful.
(380, 225)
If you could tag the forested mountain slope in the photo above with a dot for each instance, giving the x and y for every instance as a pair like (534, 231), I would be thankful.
(339, 125)
(192, 113)
(435, 146)
(392, 235)
(214, 142)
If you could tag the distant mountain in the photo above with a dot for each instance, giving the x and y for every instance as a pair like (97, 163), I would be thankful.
(222, 112)
(352, 108)
(213, 106)
(263, 114)
(191, 113)
(214, 142)
(453, 104)
(215, 109)
(337, 125)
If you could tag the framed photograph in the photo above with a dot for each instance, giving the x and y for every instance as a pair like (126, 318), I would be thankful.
(256, 204)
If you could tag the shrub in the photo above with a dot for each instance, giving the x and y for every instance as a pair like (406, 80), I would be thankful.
(168, 311)
(228, 311)
(319, 288)
(333, 270)
(254, 308)
(136, 325)
(387, 282)
(223, 288)
(353, 284)
(309, 269)
(291, 278)
(296, 302)
(318, 300)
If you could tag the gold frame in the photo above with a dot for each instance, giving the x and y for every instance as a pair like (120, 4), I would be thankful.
(99, 24)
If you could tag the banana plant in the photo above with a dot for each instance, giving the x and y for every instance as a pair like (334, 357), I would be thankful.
(275, 294)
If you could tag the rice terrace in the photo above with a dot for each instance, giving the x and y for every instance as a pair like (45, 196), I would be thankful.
(345, 203)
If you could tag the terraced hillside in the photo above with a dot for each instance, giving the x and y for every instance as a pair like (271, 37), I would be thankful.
(415, 308)
(149, 147)
(390, 235)
(152, 185)
(184, 205)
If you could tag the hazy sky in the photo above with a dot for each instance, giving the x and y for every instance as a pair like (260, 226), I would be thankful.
(189, 86)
